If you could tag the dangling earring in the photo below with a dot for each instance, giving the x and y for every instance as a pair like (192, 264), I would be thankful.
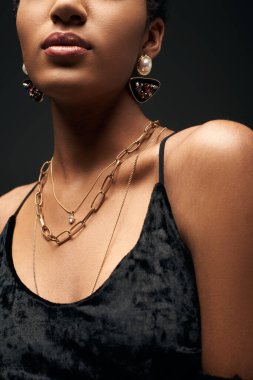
(33, 92)
(143, 89)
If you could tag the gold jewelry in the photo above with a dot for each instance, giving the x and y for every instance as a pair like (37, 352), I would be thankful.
(34, 250)
(99, 198)
(71, 217)
(122, 204)
(143, 89)
(71, 213)
(115, 225)
(121, 207)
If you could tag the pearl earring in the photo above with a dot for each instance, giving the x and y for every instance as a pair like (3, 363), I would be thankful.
(33, 92)
(143, 89)
(144, 65)
(24, 69)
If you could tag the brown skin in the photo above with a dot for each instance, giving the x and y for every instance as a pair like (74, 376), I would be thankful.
(91, 103)
(208, 175)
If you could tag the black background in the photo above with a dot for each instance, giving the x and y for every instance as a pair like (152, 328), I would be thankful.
(205, 69)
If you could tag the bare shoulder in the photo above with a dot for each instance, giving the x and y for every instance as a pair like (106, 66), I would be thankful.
(211, 194)
(10, 201)
(216, 141)
(222, 136)
(215, 137)
(203, 159)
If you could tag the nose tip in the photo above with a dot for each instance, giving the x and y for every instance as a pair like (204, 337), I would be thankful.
(68, 13)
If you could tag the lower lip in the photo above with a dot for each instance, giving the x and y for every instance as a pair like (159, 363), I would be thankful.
(63, 51)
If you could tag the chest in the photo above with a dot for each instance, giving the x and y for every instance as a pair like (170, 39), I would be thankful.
(148, 304)
(72, 271)
(146, 309)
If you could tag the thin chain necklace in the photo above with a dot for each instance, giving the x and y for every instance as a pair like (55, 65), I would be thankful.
(71, 213)
(131, 148)
(98, 200)
(114, 228)
(100, 269)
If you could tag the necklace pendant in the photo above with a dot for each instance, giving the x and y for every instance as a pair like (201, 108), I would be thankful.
(72, 218)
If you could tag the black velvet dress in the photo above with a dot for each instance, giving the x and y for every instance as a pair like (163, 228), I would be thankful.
(143, 323)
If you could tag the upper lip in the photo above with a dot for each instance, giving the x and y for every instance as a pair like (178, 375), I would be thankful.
(65, 39)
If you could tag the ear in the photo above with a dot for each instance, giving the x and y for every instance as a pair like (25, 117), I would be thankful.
(152, 41)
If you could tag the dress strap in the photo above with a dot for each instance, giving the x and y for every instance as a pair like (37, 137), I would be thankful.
(161, 157)
(23, 201)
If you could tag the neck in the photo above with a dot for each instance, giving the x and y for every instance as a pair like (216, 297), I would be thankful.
(88, 138)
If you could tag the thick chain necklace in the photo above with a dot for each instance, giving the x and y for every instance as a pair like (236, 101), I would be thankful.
(114, 228)
(101, 266)
(71, 213)
(98, 200)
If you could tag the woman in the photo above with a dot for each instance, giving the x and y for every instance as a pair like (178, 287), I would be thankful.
(99, 257)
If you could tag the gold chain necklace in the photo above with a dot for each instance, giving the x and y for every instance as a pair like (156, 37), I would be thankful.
(122, 204)
(114, 228)
(71, 213)
(71, 217)
(98, 200)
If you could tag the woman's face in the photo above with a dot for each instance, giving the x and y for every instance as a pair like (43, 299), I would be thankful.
(115, 29)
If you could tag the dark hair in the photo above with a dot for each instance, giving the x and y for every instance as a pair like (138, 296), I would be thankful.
(156, 8)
